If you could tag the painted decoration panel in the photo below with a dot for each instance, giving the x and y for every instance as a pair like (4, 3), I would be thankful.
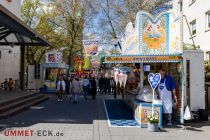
(159, 35)
(130, 44)
(154, 35)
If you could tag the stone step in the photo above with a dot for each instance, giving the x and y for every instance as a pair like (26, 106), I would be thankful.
(22, 107)
(19, 102)
(14, 99)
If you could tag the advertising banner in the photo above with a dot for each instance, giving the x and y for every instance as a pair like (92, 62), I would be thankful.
(90, 47)
(95, 62)
(53, 57)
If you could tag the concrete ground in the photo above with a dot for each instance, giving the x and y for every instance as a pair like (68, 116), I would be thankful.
(86, 120)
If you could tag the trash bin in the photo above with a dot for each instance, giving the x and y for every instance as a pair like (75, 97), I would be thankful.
(203, 115)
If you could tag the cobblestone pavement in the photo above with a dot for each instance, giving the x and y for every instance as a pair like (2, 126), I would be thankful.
(86, 121)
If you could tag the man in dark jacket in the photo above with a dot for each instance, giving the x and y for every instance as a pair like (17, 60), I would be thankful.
(93, 87)
(100, 83)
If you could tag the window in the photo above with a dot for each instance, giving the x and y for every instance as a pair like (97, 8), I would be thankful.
(208, 20)
(193, 27)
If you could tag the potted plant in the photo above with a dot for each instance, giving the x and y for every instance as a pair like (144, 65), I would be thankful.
(153, 123)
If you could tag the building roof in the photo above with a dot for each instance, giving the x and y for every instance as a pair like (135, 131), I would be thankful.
(14, 31)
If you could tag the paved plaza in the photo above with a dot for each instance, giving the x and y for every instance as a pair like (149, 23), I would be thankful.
(86, 120)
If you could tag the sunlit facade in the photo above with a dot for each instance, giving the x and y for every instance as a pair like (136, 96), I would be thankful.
(10, 56)
(197, 15)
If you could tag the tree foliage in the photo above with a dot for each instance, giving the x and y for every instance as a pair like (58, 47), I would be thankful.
(64, 22)
(207, 71)
(59, 22)
(34, 14)
(116, 15)
(87, 63)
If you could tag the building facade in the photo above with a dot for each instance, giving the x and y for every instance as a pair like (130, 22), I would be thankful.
(196, 23)
(10, 55)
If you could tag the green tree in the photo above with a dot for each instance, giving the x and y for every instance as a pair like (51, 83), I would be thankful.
(35, 15)
(71, 17)
(207, 71)
(87, 63)
(116, 15)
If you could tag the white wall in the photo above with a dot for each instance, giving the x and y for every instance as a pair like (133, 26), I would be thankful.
(197, 11)
(197, 89)
(10, 63)
(13, 6)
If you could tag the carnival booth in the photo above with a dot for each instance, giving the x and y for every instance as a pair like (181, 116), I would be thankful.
(51, 70)
(153, 43)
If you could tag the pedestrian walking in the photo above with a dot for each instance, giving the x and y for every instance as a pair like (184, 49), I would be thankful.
(93, 88)
(112, 85)
(61, 87)
(86, 87)
(101, 83)
(67, 81)
(76, 88)
(107, 86)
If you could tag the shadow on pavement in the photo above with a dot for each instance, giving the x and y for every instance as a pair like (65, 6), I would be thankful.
(52, 111)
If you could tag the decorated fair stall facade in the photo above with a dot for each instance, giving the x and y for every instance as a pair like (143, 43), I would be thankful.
(43, 76)
(154, 42)
(53, 67)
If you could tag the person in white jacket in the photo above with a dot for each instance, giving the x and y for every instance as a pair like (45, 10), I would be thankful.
(61, 87)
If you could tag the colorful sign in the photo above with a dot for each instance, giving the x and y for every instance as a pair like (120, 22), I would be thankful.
(139, 59)
(90, 47)
(53, 57)
(153, 35)
(95, 61)
(154, 79)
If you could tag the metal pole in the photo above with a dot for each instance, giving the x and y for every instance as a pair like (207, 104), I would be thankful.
(22, 67)
(188, 28)
(141, 75)
(183, 65)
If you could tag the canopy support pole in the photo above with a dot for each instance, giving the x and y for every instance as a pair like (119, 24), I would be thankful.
(141, 75)
(22, 67)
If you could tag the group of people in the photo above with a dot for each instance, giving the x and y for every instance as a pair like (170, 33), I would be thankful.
(106, 85)
(75, 86)
(8, 84)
